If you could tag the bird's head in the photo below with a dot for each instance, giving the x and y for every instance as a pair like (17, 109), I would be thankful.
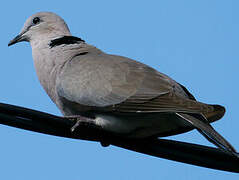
(42, 25)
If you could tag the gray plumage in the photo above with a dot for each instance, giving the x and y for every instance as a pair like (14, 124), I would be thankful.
(123, 96)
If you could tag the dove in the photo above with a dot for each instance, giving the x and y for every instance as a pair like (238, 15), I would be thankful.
(114, 93)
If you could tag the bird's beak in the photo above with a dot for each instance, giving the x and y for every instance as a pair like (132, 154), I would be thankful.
(18, 38)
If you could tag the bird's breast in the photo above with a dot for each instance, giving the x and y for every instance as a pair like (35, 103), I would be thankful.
(46, 70)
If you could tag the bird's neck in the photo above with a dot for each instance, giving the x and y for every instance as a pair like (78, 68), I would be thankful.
(50, 54)
(47, 61)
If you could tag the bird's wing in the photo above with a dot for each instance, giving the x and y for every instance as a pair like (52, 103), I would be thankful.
(121, 85)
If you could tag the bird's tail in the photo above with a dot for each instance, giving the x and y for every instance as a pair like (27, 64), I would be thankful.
(203, 126)
(217, 113)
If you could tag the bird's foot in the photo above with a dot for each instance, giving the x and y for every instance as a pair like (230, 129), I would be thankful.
(104, 143)
(75, 125)
(81, 121)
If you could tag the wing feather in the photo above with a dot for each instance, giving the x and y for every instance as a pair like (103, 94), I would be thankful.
(118, 84)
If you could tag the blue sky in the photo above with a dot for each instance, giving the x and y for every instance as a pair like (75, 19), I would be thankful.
(194, 42)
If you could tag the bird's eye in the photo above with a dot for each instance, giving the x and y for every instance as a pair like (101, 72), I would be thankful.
(36, 20)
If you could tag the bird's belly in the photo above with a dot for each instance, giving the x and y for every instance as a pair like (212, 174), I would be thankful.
(143, 126)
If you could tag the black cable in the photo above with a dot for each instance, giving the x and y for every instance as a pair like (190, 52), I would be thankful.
(199, 155)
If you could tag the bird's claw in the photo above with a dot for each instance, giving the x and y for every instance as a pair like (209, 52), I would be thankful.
(75, 125)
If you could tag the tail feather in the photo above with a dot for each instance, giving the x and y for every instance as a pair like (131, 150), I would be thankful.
(217, 113)
(208, 131)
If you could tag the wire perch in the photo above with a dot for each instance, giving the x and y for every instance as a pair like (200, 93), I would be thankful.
(199, 155)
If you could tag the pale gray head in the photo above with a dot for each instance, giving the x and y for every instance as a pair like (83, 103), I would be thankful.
(42, 25)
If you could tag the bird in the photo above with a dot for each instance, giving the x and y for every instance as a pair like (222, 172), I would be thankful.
(114, 93)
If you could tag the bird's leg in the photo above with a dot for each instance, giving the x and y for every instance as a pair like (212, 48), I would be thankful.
(82, 121)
